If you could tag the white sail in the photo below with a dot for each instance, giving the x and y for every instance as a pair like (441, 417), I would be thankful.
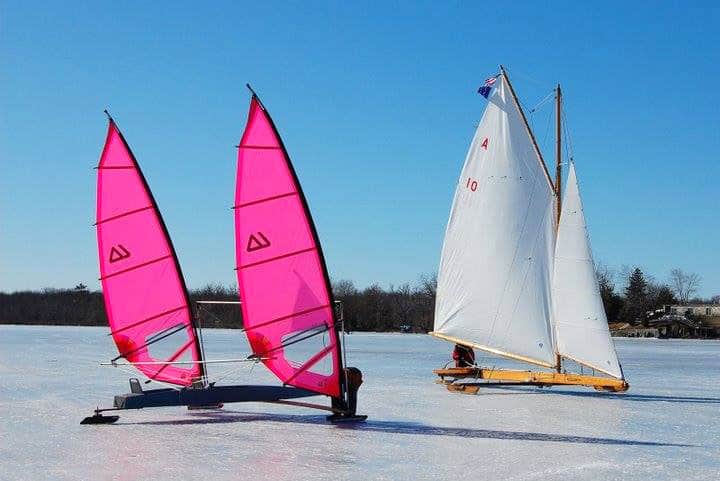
(494, 288)
(581, 325)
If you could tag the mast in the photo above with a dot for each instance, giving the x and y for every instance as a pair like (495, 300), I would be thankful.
(558, 150)
(558, 174)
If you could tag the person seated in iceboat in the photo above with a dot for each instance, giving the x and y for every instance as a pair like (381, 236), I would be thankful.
(463, 356)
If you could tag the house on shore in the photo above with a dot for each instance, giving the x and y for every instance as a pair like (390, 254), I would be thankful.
(707, 314)
(698, 321)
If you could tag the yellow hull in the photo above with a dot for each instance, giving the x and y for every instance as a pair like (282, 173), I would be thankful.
(534, 378)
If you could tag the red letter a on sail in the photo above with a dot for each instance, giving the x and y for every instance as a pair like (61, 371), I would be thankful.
(484, 144)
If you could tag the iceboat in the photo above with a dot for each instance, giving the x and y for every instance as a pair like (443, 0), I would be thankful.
(516, 276)
(286, 298)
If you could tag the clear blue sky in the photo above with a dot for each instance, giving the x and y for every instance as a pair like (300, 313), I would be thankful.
(376, 103)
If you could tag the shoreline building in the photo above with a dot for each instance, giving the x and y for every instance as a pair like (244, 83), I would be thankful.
(673, 321)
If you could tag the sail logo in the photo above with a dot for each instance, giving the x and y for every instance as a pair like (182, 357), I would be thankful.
(118, 253)
(484, 143)
(257, 242)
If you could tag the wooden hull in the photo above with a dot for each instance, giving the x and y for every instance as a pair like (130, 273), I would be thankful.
(448, 376)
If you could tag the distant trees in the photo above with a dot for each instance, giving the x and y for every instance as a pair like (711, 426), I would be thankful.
(660, 295)
(636, 297)
(642, 293)
(612, 301)
(216, 315)
(75, 306)
(408, 306)
(684, 284)
(80, 307)
(376, 309)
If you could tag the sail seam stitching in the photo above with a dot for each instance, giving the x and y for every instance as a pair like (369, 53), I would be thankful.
(260, 147)
(136, 267)
(266, 199)
(130, 212)
(289, 316)
(135, 324)
(252, 264)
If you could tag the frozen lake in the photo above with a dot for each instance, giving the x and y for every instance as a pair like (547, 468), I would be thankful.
(666, 427)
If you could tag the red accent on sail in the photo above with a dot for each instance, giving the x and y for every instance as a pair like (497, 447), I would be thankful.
(284, 288)
(145, 296)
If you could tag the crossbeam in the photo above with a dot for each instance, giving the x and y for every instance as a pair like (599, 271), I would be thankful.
(162, 363)
(236, 303)
(209, 396)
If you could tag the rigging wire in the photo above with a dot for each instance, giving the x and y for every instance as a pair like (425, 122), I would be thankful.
(227, 373)
(549, 96)
(521, 74)
(547, 129)
(532, 111)
(134, 374)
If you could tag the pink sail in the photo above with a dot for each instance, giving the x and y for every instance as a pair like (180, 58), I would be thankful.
(145, 295)
(287, 308)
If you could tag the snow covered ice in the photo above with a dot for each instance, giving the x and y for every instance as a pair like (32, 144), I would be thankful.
(666, 427)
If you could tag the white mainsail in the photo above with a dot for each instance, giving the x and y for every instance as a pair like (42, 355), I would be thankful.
(494, 289)
(581, 325)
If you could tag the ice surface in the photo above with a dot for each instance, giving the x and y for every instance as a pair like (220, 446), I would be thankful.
(666, 427)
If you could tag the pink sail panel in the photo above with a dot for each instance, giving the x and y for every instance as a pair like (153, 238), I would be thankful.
(145, 296)
(286, 302)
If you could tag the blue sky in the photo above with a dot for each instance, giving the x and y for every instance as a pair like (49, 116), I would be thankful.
(376, 103)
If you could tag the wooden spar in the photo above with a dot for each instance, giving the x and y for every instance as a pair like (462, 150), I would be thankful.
(491, 350)
(558, 178)
(527, 126)
(558, 151)
(530, 378)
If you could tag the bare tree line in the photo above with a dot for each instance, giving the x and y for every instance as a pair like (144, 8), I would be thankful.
(627, 296)
(684, 284)
(640, 293)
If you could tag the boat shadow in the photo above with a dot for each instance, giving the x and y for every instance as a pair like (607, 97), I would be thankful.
(400, 427)
(506, 390)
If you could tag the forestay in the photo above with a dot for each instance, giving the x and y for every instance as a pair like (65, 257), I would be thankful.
(145, 295)
(494, 289)
(581, 325)
(286, 301)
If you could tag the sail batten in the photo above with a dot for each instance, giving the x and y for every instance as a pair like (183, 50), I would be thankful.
(285, 293)
(494, 288)
(581, 326)
(145, 295)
